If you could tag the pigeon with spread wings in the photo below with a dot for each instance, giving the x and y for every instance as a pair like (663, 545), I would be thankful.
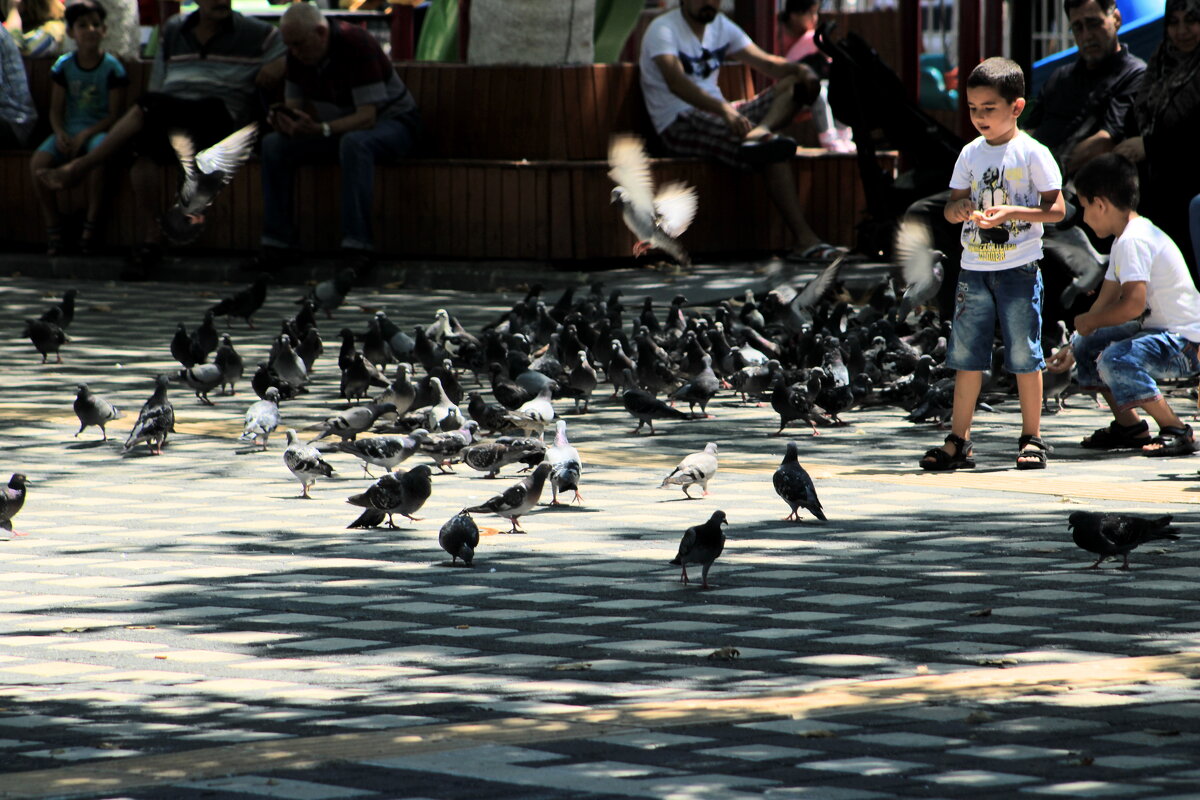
(205, 174)
(657, 220)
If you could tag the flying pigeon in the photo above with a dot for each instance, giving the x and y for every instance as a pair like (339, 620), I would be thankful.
(701, 544)
(695, 468)
(394, 493)
(12, 497)
(459, 537)
(1112, 535)
(246, 303)
(565, 466)
(93, 410)
(795, 486)
(305, 462)
(262, 418)
(156, 420)
(657, 220)
(920, 263)
(205, 174)
(791, 308)
(517, 500)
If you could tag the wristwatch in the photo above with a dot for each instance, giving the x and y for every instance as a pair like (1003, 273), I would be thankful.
(326, 131)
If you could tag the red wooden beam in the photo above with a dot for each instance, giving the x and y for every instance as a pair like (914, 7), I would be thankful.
(969, 55)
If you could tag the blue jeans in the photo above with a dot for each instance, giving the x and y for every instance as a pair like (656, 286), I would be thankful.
(1014, 297)
(357, 152)
(1126, 360)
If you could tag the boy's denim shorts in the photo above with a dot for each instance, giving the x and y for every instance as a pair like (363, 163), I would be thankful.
(1127, 359)
(1014, 296)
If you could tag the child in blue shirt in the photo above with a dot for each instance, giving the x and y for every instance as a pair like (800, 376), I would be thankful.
(86, 98)
(1005, 185)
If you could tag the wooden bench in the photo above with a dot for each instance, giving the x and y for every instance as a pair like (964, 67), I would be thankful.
(514, 168)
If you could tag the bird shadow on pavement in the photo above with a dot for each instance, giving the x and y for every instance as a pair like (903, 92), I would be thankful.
(87, 445)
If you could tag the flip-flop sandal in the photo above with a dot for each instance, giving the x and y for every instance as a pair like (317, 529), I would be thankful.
(1119, 437)
(1172, 441)
(938, 460)
(1032, 447)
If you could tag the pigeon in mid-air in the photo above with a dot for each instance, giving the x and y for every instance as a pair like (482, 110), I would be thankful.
(305, 463)
(657, 220)
(246, 303)
(92, 409)
(394, 493)
(156, 420)
(791, 308)
(459, 537)
(701, 544)
(12, 497)
(795, 486)
(565, 465)
(46, 337)
(695, 468)
(517, 500)
(1112, 535)
(205, 174)
(262, 418)
(920, 263)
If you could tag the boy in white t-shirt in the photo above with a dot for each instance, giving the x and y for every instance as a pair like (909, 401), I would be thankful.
(1005, 185)
(1145, 323)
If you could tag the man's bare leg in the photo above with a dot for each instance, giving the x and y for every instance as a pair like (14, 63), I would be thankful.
(121, 132)
(779, 113)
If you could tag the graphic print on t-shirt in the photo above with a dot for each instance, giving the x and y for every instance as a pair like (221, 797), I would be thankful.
(708, 62)
(990, 190)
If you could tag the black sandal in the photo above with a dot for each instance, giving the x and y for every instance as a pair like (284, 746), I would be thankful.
(1172, 441)
(1032, 447)
(938, 460)
(1119, 437)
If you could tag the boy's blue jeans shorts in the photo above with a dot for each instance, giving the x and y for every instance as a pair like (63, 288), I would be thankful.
(1014, 297)
(1126, 360)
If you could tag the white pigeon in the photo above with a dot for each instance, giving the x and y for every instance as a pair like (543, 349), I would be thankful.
(262, 418)
(657, 220)
(696, 468)
(920, 263)
(565, 466)
(305, 462)
(443, 414)
(205, 174)
(534, 415)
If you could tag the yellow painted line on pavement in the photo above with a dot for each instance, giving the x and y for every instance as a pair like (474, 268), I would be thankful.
(991, 684)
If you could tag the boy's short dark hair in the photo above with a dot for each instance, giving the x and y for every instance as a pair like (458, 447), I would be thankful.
(81, 8)
(796, 7)
(1002, 74)
(1112, 177)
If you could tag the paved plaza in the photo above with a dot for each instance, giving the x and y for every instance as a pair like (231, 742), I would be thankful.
(182, 626)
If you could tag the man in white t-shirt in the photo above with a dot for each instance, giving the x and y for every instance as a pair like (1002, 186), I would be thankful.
(1145, 323)
(681, 57)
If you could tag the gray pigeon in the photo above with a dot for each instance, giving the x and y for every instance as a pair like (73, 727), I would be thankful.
(565, 465)
(795, 486)
(12, 497)
(202, 378)
(401, 391)
(93, 409)
(351, 422)
(382, 451)
(920, 263)
(695, 468)
(445, 446)
(205, 174)
(262, 418)
(534, 415)
(155, 421)
(791, 308)
(459, 537)
(701, 544)
(394, 493)
(229, 361)
(46, 337)
(1112, 535)
(656, 220)
(287, 364)
(328, 295)
(700, 389)
(305, 462)
(517, 500)
(443, 414)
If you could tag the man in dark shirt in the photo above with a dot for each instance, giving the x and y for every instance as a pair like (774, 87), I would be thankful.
(343, 100)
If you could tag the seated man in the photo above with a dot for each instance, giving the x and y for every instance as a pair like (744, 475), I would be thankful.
(682, 52)
(1116, 349)
(343, 100)
(204, 81)
(17, 113)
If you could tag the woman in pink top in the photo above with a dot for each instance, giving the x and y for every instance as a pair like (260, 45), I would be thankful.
(799, 21)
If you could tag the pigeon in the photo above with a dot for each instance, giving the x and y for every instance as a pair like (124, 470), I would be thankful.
(264, 379)
(534, 415)
(62, 313)
(286, 364)
(695, 468)
(517, 500)
(246, 303)
(229, 361)
(328, 295)
(490, 457)
(46, 337)
(205, 338)
(565, 466)
(459, 537)
(93, 410)
(205, 174)
(202, 379)
(791, 308)
(155, 420)
(583, 380)
(183, 349)
(656, 220)
(350, 423)
(490, 416)
(12, 497)
(262, 418)
(310, 348)
(400, 392)
(445, 446)
(443, 414)
(920, 263)
(305, 462)
(382, 451)
(701, 544)
(1111, 535)
(394, 493)
(700, 389)
(646, 408)
(793, 484)
(359, 377)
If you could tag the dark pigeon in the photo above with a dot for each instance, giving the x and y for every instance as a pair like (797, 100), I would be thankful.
(795, 486)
